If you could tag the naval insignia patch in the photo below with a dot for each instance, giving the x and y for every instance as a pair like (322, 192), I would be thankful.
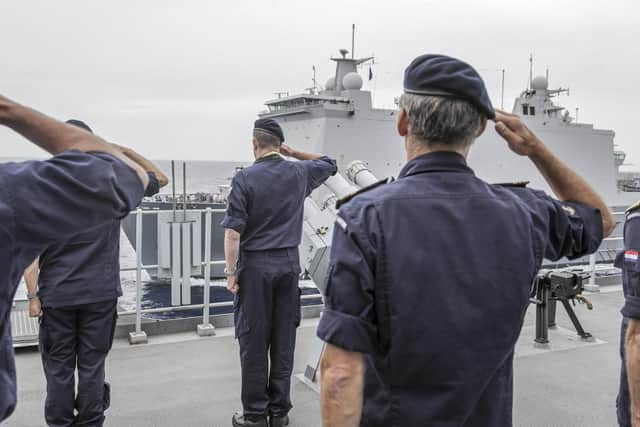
(341, 222)
(631, 256)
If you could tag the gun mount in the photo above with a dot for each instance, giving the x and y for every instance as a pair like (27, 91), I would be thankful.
(317, 230)
(550, 287)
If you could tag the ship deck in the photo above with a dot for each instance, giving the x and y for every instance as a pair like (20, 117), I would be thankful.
(183, 380)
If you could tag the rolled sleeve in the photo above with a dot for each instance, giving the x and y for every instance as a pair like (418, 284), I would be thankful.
(70, 193)
(348, 332)
(320, 170)
(631, 307)
(237, 215)
(349, 320)
(154, 185)
(567, 229)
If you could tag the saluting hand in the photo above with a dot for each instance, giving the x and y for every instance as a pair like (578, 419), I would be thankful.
(520, 139)
(285, 150)
(232, 284)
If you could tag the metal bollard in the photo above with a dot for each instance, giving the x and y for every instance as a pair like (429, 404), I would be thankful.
(138, 336)
(592, 286)
(206, 328)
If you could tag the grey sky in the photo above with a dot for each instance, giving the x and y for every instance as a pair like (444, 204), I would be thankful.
(185, 79)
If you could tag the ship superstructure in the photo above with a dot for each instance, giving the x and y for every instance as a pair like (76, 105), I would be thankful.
(342, 122)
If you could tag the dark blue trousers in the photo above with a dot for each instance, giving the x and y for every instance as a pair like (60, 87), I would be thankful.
(623, 402)
(266, 314)
(77, 337)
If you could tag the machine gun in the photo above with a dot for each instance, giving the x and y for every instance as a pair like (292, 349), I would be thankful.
(548, 288)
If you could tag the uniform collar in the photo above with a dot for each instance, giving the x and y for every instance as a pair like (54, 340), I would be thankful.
(437, 161)
(274, 155)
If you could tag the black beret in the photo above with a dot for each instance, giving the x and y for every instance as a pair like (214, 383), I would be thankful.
(79, 124)
(270, 126)
(440, 75)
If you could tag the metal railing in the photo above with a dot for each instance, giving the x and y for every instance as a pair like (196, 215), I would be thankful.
(138, 336)
(591, 286)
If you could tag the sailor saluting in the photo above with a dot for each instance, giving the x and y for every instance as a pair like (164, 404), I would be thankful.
(429, 275)
(86, 184)
(75, 293)
(628, 402)
(263, 230)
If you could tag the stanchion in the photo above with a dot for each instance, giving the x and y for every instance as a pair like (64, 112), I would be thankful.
(206, 328)
(138, 336)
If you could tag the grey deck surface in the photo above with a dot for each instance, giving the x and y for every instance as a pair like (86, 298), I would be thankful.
(182, 380)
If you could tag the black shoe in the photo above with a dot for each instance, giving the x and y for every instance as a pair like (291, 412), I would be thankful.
(240, 420)
(278, 421)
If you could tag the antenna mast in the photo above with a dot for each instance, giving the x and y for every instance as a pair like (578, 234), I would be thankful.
(530, 70)
(315, 83)
(353, 41)
(502, 92)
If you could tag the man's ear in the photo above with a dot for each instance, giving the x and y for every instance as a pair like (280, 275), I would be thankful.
(403, 123)
(255, 144)
(483, 126)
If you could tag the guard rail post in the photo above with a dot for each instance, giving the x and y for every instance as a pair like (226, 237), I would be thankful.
(206, 328)
(592, 286)
(138, 336)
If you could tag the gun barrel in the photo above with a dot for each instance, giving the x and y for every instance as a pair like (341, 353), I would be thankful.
(359, 173)
(339, 186)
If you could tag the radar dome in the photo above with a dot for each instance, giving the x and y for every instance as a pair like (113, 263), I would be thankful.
(352, 81)
(330, 84)
(540, 83)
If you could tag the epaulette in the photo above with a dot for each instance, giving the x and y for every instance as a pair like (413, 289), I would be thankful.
(519, 184)
(348, 197)
(633, 207)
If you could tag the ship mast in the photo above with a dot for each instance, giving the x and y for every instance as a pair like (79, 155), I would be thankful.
(353, 41)
(530, 70)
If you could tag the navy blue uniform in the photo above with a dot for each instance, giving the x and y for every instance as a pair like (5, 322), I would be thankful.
(629, 262)
(266, 208)
(79, 283)
(45, 202)
(429, 277)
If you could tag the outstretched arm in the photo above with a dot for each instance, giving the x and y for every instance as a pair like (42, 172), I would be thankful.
(341, 387)
(566, 184)
(632, 357)
(56, 137)
(31, 280)
(231, 251)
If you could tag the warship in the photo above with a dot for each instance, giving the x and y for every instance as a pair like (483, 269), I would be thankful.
(340, 120)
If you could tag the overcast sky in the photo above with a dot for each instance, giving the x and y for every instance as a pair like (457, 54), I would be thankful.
(185, 79)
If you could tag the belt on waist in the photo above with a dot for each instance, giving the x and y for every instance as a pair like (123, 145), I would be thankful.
(282, 252)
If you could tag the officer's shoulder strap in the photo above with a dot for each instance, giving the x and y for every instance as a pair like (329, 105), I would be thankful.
(634, 207)
(517, 184)
(349, 197)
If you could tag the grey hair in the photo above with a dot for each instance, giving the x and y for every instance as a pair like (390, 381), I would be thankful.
(440, 120)
(266, 139)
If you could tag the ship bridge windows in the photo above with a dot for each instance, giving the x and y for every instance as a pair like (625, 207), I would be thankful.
(294, 103)
(528, 110)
